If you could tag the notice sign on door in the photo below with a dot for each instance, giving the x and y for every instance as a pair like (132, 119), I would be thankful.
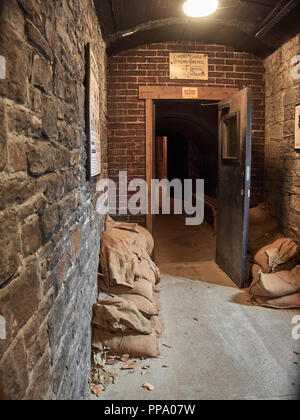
(188, 66)
(94, 116)
(297, 128)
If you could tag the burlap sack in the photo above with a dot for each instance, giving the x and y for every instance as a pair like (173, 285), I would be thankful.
(261, 222)
(275, 285)
(284, 302)
(141, 287)
(267, 239)
(281, 255)
(134, 345)
(122, 260)
(256, 270)
(118, 315)
(142, 237)
(147, 308)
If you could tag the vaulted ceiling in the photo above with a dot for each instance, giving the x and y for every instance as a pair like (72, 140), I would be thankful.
(256, 26)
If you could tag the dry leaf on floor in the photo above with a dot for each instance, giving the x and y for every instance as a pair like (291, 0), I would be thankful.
(112, 362)
(148, 387)
(144, 373)
(124, 358)
(130, 366)
(195, 319)
(165, 366)
(167, 345)
(146, 367)
(113, 357)
(296, 353)
(96, 390)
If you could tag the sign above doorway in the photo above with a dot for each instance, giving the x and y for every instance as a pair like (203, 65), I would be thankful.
(188, 66)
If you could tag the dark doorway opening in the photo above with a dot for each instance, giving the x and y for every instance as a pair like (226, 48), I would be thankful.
(191, 129)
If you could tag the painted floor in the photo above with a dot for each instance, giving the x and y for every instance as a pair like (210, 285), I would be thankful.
(221, 347)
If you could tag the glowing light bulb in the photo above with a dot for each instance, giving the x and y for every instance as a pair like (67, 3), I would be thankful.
(200, 8)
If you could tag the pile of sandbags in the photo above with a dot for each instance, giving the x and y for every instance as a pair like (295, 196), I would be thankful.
(276, 275)
(125, 318)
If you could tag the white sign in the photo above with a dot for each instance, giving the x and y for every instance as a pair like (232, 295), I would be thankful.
(189, 66)
(2, 67)
(2, 328)
(94, 116)
(297, 127)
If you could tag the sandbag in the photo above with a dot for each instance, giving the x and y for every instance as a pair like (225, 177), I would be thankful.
(256, 270)
(281, 255)
(284, 302)
(261, 222)
(275, 285)
(144, 239)
(123, 259)
(120, 316)
(144, 305)
(134, 345)
(260, 214)
(267, 239)
(141, 287)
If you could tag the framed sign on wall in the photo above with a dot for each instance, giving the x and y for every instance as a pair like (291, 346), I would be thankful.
(297, 127)
(93, 115)
(188, 66)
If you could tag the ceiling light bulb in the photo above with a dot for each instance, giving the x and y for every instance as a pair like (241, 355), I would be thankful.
(200, 8)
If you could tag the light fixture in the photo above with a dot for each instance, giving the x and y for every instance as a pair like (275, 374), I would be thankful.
(200, 8)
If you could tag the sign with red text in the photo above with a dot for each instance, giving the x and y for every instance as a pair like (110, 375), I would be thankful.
(189, 93)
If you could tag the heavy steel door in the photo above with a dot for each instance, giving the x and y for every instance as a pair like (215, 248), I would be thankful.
(235, 141)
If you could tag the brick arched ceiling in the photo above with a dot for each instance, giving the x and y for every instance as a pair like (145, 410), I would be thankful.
(255, 26)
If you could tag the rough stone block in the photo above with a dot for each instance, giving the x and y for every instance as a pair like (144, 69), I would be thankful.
(35, 100)
(3, 136)
(23, 122)
(50, 117)
(42, 76)
(19, 299)
(76, 241)
(44, 157)
(9, 245)
(31, 236)
(17, 159)
(50, 221)
(13, 16)
(13, 373)
(15, 192)
(37, 39)
(41, 376)
(17, 55)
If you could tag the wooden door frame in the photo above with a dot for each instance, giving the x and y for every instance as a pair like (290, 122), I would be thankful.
(152, 93)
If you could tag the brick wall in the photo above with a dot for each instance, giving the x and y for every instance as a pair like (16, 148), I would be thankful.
(282, 160)
(49, 231)
(149, 65)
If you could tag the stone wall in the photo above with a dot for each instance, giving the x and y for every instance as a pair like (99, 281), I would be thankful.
(149, 65)
(282, 182)
(49, 231)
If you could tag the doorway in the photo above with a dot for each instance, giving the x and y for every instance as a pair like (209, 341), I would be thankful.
(234, 127)
(190, 130)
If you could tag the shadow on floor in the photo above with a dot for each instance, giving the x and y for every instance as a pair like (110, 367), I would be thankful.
(187, 251)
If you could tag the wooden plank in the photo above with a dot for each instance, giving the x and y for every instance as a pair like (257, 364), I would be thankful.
(176, 92)
(149, 158)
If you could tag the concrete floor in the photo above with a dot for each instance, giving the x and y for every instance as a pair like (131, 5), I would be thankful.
(233, 351)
